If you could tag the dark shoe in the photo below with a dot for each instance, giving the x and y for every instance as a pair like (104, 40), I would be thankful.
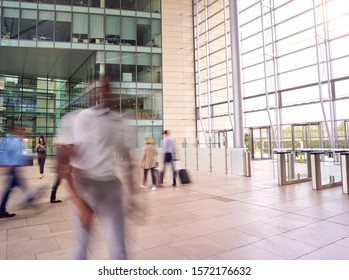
(55, 201)
(174, 184)
(6, 215)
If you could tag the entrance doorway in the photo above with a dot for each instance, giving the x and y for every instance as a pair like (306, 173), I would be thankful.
(305, 136)
(220, 138)
(260, 143)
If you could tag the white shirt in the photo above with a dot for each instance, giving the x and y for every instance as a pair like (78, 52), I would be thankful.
(97, 134)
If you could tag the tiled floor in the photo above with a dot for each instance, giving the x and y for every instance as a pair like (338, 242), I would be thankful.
(218, 216)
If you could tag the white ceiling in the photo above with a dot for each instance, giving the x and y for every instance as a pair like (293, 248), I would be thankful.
(53, 63)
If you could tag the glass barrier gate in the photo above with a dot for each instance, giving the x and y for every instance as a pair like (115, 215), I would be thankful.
(290, 170)
(324, 168)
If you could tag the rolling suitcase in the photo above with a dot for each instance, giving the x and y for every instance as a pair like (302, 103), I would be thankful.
(183, 176)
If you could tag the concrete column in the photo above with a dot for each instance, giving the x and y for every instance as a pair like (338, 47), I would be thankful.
(236, 70)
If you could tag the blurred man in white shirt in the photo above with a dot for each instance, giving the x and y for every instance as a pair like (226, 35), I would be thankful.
(90, 141)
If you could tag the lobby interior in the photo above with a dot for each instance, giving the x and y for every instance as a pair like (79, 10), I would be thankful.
(216, 217)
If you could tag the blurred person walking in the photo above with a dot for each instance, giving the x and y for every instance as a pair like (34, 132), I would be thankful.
(91, 139)
(41, 150)
(169, 149)
(149, 161)
(55, 186)
(12, 158)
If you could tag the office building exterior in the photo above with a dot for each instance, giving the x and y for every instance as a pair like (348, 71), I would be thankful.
(51, 51)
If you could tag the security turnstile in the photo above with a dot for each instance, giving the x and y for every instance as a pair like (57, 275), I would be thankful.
(322, 171)
(345, 171)
(287, 166)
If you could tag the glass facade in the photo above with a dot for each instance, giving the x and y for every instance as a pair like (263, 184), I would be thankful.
(213, 72)
(294, 73)
(124, 38)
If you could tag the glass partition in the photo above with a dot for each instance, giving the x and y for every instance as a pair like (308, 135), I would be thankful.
(325, 169)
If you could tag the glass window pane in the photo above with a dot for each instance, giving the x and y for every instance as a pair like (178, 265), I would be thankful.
(63, 27)
(113, 71)
(298, 59)
(295, 25)
(28, 25)
(113, 57)
(143, 68)
(310, 113)
(143, 32)
(156, 68)
(81, 3)
(128, 31)
(296, 42)
(251, 28)
(80, 28)
(96, 28)
(112, 30)
(156, 32)
(157, 104)
(9, 26)
(112, 4)
(342, 88)
(128, 103)
(291, 9)
(155, 6)
(128, 5)
(128, 67)
(252, 43)
(45, 25)
(254, 88)
(339, 47)
(340, 67)
(302, 95)
(342, 109)
(144, 105)
(143, 5)
(298, 77)
(63, 2)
